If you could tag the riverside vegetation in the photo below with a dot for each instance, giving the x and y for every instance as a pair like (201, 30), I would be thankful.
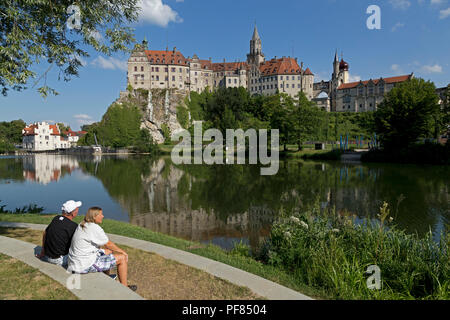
(324, 255)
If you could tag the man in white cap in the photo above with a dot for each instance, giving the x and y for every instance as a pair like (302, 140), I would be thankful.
(58, 235)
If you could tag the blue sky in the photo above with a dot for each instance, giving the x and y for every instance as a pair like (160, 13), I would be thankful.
(414, 37)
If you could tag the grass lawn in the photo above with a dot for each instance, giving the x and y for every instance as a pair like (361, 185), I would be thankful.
(157, 278)
(19, 281)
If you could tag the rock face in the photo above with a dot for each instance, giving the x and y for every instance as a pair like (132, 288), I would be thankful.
(158, 107)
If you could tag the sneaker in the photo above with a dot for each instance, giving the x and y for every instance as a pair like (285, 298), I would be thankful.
(113, 276)
(133, 287)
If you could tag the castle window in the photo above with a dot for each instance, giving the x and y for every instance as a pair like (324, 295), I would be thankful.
(173, 70)
(135, 68)
(157, 69)
(173, 78)
(166, 69)
(142, 68)
(281, 78)
(287, 85)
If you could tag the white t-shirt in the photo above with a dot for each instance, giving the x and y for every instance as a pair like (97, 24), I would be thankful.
(85, 245)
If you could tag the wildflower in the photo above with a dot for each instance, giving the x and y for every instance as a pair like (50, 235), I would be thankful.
(287, 235)
(304, 224)
(295, 219)
(390, 219)
(335, 230)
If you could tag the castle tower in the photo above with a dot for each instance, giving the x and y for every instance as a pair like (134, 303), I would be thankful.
(339, 77)
(255, 57)
(335, 67)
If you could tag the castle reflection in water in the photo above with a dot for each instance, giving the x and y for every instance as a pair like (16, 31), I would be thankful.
(228, 204)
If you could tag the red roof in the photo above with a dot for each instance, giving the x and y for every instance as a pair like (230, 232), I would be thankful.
(166, 57)
(308, 72)
(280, 66)
(29, 130)
(375, 81)
(54, 129)
(229, 66)
(206, 64)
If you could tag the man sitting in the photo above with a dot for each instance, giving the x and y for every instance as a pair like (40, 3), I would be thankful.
(58, 235)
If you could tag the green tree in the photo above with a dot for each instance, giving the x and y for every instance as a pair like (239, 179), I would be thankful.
(35, 30)
(408, 112)
(309, 121)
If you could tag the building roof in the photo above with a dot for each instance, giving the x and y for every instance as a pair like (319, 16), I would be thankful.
(280, 66)
(206, 64)
(308, 72)
(166, 57)
(54, 129)
(30, 130)
(229, 66)
(375, 81)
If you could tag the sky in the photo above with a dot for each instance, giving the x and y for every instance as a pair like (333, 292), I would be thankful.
(414, 37)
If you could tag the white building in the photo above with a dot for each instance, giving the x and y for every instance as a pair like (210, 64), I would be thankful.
(42, 136)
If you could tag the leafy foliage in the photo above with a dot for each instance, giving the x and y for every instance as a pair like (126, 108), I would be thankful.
(325, 250)
(10, 134)
(409, 111)
(35, 30)
(298, 119)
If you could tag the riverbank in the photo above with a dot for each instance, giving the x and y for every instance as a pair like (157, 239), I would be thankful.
(163, 279)
(331, 251)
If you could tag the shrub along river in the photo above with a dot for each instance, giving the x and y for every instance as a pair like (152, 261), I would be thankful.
(224, 204)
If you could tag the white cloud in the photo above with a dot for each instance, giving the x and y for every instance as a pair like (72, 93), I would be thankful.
(432, 69)
(400, 4)
(395, 67)
(82, 116)
(353, 78)
(444, 13)
(110, 63)
(437, 1)
(398, 25)
(83, 119)
(155, 12)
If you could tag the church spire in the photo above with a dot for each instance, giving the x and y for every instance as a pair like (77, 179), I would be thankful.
(255, 34)
(336, 59)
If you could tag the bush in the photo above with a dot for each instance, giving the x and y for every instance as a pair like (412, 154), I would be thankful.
(331, 252)
(31, 208)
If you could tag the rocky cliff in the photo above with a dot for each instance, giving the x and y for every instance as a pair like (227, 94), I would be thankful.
(158, 108)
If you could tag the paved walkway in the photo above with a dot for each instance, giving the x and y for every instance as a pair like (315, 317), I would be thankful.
(92, 286)
(258, 285)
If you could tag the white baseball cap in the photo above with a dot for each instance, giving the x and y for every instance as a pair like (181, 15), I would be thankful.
(70, 206)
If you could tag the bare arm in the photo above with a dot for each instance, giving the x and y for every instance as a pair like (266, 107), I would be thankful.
(114, 248)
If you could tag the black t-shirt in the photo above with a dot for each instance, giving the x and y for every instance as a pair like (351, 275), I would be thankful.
(58, 237)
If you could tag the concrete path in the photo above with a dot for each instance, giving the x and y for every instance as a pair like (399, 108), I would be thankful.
(258, 285)
(92, 286)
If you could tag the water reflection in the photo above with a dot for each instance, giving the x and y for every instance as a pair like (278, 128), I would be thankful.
(223, 204)
(43, 169)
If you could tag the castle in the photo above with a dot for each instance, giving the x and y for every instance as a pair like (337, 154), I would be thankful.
(153, 69)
